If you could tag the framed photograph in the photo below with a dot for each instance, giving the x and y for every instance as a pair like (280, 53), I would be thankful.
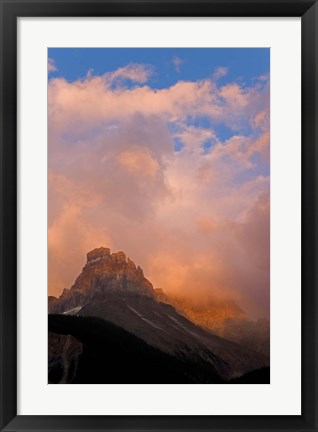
(158, 215)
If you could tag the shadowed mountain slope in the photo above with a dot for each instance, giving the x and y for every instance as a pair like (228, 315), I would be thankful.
(105, 353)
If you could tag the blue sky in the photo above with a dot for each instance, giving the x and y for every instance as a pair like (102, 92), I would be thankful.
(243, 65)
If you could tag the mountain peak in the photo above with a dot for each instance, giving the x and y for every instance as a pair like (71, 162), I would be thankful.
(102, 259)
(105, 274)
(104, 254)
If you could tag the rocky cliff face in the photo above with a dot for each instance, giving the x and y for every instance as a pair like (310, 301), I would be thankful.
(112, 287)
(63, 356)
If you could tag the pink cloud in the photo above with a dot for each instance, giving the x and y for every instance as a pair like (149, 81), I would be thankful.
(51, 67)
(73, 107)
(133, 72)
(220, 72)
(193, 137)
(261, 120)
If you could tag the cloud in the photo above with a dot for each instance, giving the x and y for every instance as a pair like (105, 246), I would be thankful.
(134, 72)
(197, 219)
(193, 137)
(206, 225)
(261, 120)
(73, 106)
(220, 72)
(51, 67)
(177, 62)
(139, 162)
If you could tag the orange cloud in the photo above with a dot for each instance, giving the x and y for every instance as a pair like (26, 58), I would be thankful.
(206, 225)
(139, 162)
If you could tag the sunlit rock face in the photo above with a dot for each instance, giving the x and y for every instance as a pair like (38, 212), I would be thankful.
(105, 271)
(112, 287)
(103, 275)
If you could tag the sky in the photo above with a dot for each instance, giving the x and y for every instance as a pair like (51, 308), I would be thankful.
(163, 154)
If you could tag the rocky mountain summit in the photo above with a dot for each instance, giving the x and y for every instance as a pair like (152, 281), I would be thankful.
(113, 288)
(104, 274)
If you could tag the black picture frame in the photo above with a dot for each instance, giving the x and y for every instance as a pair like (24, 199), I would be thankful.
(10, 11)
